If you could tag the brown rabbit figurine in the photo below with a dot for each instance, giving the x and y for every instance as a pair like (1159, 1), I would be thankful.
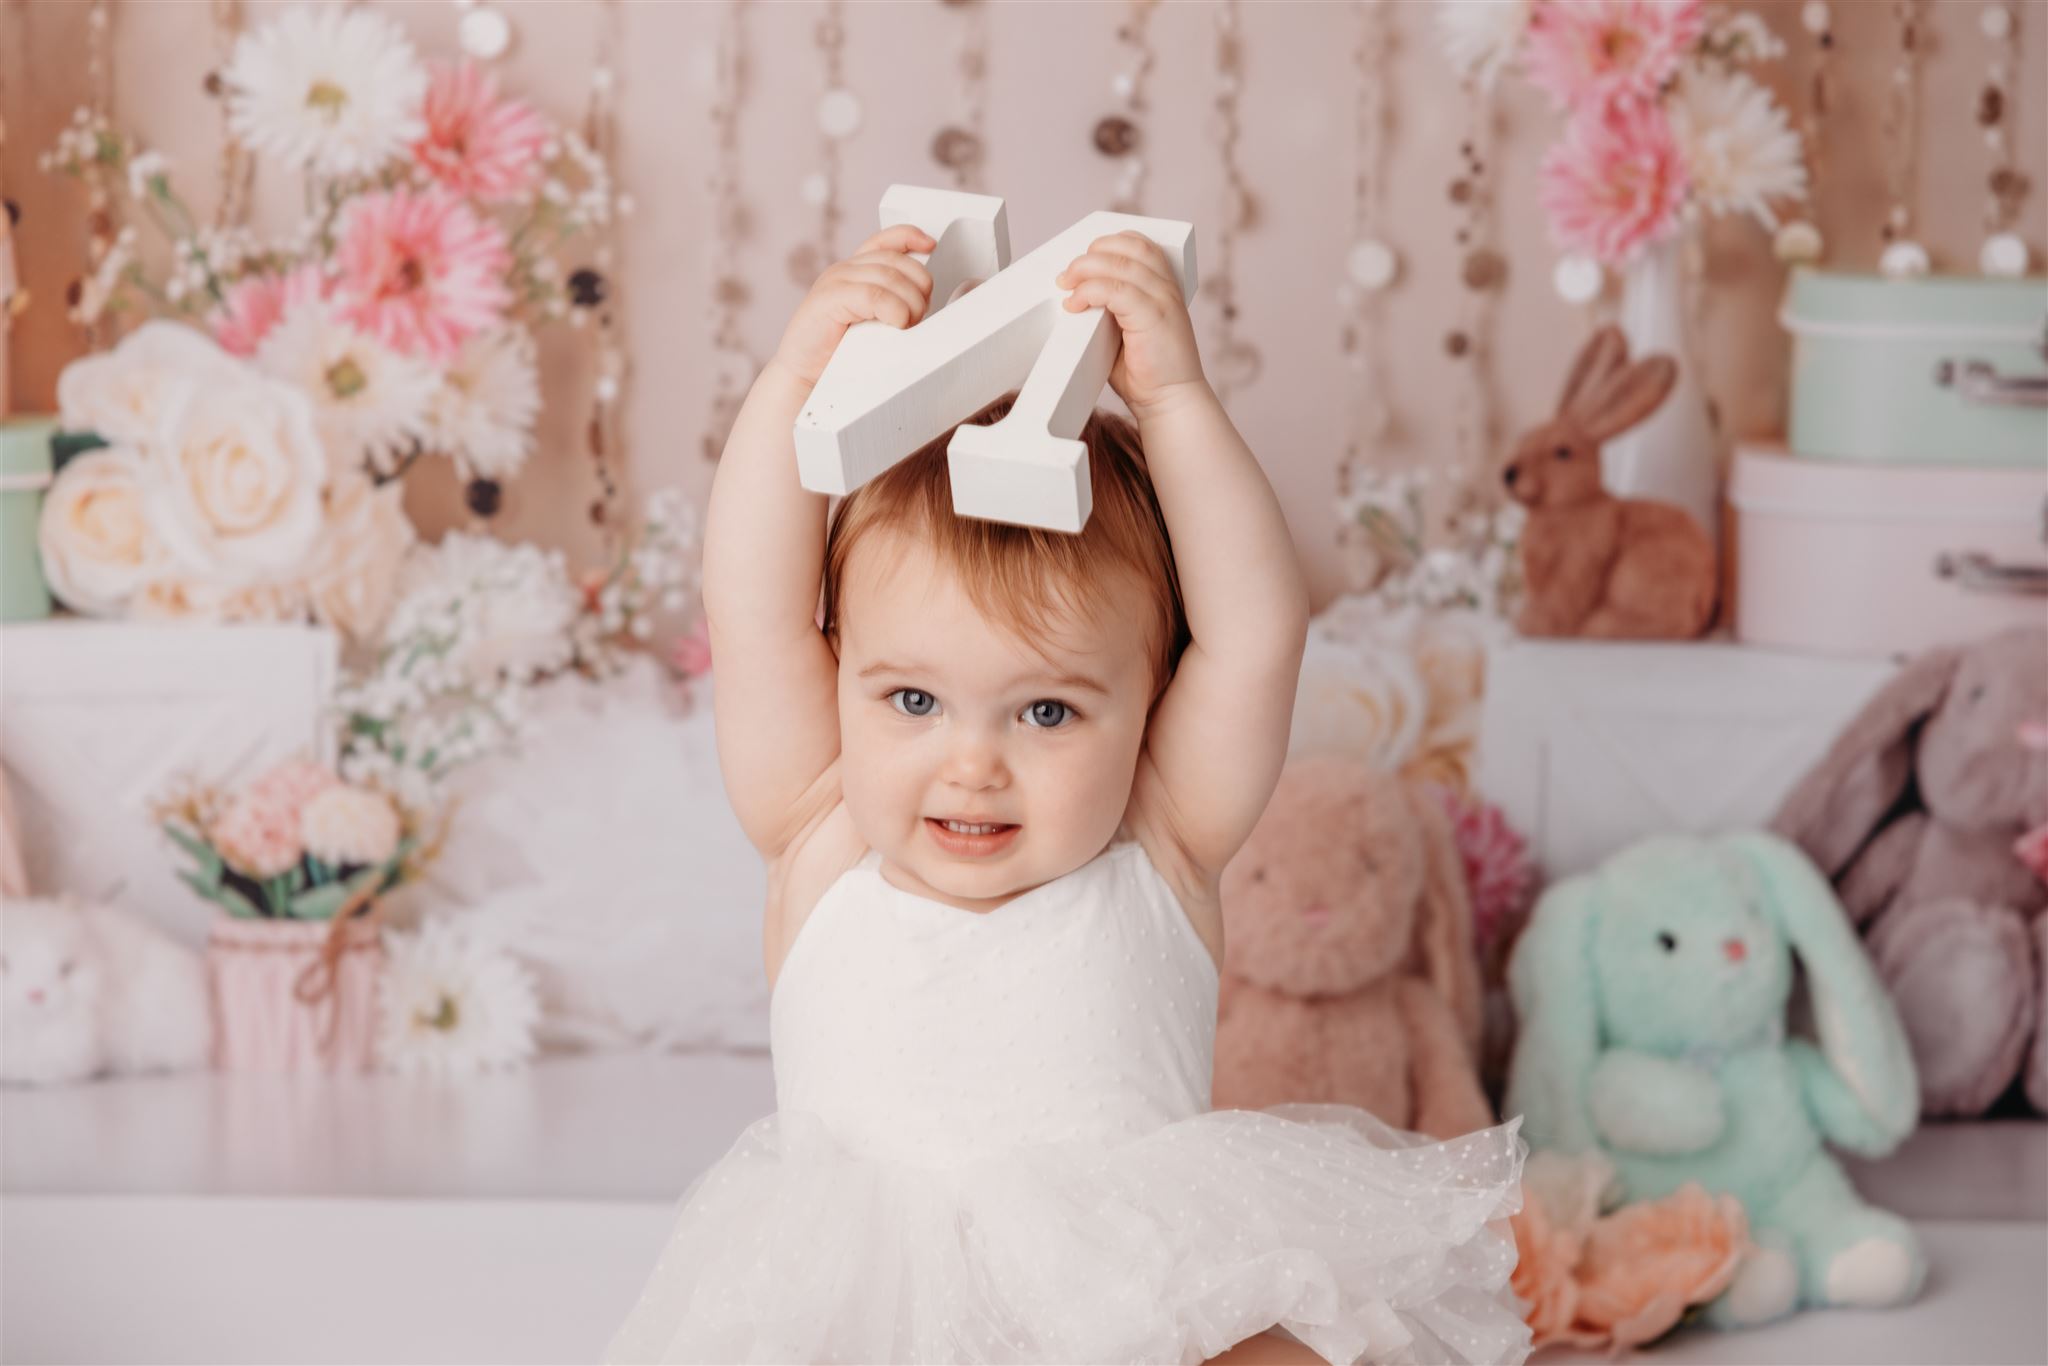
(1595, 564)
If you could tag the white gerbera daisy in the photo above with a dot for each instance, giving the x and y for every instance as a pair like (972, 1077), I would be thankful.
(335, 91)
(482, 416)
(449, 1002)
(1740, 150)
(369, 402)
(1480, 37)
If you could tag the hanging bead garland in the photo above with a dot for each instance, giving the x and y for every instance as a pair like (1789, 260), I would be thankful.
(237, 167)
(1371, 265)
(594, 292)
(839, 115)
(1483, 273)
(1237, 362)
(1799, 240)
(2004, 253)
(961, 147)
(1121, 135)
(484, 31)
(1903, 257)
(100, 227)
(733, 364)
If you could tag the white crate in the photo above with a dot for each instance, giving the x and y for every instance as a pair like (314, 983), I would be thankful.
(99, 718)
(1589, 746)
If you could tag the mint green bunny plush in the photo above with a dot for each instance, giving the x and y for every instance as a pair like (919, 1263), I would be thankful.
(1652, 994)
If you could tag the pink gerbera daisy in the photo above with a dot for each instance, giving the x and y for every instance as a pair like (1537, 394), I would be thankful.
(1594, 51)
(475, 143)
(420, 271)
(256, 304)
(1614, 181)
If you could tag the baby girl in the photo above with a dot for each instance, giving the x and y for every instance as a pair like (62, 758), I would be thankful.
(995, 786)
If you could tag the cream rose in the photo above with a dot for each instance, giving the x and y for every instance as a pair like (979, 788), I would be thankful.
(97, 545)
(124, 393)
(361, 553)
(236, 477)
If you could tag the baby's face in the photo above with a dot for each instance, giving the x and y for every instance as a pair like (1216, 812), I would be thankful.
(944, 715)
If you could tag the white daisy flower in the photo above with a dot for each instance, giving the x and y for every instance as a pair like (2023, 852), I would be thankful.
(1740, 150)
(335, 91)
(369, 402)
(451, 1003)
(1480, 37)
(482, 416)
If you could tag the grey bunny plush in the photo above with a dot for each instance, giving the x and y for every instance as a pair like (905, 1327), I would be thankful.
(1914, 813)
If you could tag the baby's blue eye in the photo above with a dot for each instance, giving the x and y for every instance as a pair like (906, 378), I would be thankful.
(1047, 714)
(913, 702)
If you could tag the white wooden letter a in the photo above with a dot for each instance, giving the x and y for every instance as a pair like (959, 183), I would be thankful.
(887, 391)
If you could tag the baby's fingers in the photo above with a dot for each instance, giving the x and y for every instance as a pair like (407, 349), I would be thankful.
(901, 264)
(899, 237)
(882, 292)
(1132, 305)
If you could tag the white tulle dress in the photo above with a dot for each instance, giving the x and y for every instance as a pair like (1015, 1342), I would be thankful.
(994, 1144)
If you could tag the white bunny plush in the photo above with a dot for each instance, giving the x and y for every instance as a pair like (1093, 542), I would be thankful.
(87, 990)
(1652, 995)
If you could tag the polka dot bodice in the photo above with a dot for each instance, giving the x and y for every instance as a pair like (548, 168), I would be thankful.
(1082, 1009)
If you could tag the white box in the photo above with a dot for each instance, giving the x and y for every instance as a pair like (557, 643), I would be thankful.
(1589, 746)
(98, 719)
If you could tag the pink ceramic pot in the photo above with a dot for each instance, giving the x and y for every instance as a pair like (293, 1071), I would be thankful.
(261, 1022)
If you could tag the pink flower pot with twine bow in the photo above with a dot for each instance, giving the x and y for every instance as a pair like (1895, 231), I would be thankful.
(295, 995)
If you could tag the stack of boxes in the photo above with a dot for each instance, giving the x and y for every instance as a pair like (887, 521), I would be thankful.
(1909, 507)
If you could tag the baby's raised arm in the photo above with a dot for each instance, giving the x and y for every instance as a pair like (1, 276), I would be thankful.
(775, 695)
(1215, 745)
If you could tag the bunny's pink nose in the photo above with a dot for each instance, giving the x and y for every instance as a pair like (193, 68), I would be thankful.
(35, 996)
(1735, 949)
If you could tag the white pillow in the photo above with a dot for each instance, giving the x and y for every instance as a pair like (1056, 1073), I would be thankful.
(605, 855)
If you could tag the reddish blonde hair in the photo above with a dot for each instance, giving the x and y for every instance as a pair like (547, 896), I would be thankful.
(1022, 577)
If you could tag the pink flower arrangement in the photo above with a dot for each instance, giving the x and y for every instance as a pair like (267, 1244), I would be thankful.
(420, 271)
(1615, 181)
(475, 143)
(691, 654)
(257, 303)
(259, 832)
(1499, 873)
(1623, 1279)
(1590, 53)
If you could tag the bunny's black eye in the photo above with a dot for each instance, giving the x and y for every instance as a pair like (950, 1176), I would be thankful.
(65, 971)
(1667, 943)
(1563, 452)
(1977, 693)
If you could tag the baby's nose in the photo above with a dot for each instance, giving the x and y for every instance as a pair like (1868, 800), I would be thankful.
(1735, 949)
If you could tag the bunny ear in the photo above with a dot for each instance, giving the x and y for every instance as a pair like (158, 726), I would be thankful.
(1602, 354)
(1443, 926)
(1836, 806)
(1859, 1030)
(1550, 983)
(1626, 397)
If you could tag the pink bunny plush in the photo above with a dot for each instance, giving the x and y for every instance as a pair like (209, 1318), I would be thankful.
(1349, 974)
(1918, 812)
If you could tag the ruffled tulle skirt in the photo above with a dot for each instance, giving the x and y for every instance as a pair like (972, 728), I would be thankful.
(1363, 1241)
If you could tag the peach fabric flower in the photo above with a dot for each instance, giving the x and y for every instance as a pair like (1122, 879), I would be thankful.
(1645, 1263)
(1547, 1256)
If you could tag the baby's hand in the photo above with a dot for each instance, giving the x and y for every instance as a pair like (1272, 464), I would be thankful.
(879, 281)
(1129, 275)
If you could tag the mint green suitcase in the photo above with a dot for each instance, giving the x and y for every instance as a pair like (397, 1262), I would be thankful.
(24, 475)
(1933, 371)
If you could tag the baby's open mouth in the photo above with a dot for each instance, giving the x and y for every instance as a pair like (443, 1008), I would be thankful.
(971, 827)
